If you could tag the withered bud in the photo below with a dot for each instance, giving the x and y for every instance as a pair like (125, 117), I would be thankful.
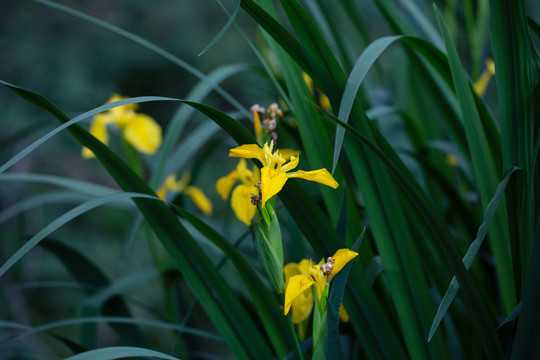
(255, 199)
(327, 267)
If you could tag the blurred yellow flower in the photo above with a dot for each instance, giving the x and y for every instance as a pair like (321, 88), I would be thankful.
(241, 196)
(140, 130)
(299, 278)
(482, 83)
(170, 185)
(274, 173)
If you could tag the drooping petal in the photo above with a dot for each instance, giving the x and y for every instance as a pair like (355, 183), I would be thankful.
(341, 258)
(200, 200)
(302, 306)
(144, 133)
(98, 128)
(241, 203)
(224, 184)
(296, 286)
(292, 164)
(321, 176)
(248, 151)
(271, 183)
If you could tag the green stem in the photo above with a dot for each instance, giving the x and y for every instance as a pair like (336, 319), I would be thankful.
(295, 338)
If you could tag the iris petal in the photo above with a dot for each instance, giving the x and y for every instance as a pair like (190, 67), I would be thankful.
(248, 151)
(99, 130)
(143, 133)
(296, 286)
(200, 200)
(224, 184)
(241, 203)
(342, 257)
(271, 183)
(321, 176)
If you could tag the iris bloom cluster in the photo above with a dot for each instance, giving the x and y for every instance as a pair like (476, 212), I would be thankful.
(139, 130)
(181, 186)
(304, 280)
(276, 169)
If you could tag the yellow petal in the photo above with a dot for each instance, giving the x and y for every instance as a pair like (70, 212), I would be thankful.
(291, 164)
(288, 153)
(343, 314)
(320, 279)
(200, 200)
(321, 176)
(241, 203)
(224, 184)
(98, 128)
(341, 258)
(302, 306)
(248, 151)
(305, 265)
(244, 174)
(144, 133)
(290, 270)
(271, 183)
(296, 286)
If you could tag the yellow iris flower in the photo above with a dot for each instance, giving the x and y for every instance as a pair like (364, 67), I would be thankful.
(241, 196)
(275, 172)
(140, 130)
(181, 186)
(299, 278)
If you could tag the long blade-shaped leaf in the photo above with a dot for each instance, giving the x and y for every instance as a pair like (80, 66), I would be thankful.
(484, 171)
(473, 250)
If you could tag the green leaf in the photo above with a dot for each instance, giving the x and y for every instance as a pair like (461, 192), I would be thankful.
(60, 221)
(358, 73)
(223, 29)
(483, 166)
(473, 249)
(85, 272)
(436, 226)
(118, 352)
(267, 307)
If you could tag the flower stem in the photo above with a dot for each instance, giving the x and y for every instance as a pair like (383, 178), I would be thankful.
(295, 337)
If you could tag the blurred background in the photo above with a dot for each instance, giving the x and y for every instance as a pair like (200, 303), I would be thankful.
(78, 66)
